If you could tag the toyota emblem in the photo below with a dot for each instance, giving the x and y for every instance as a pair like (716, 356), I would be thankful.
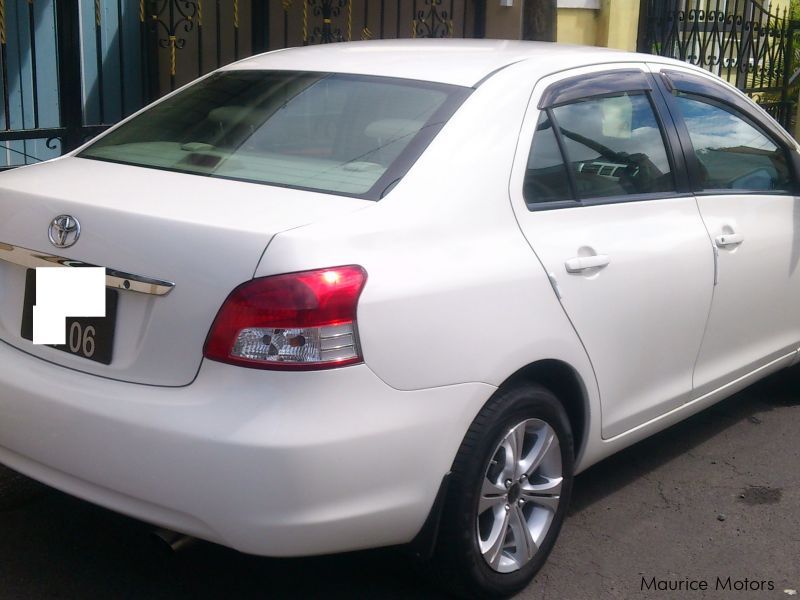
(64, 231)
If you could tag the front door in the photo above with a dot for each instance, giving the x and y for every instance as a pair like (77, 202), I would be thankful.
(744, 179)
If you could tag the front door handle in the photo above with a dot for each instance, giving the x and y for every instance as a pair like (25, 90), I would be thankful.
(584, 263)
(728, 239)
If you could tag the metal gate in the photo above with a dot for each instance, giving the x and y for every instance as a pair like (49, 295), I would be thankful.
(191, 37)
(739, 40)
(70, 68)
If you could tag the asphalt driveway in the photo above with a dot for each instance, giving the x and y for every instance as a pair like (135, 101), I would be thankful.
(717, 496)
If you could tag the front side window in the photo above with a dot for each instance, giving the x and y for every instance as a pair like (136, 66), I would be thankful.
(612, 146)
(732, 153)
(345, 134)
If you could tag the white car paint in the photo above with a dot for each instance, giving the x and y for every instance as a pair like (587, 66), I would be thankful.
(458, 299)
(641, 331)
(157, 224)
(265, 462)
(754, 318)
(458, 61)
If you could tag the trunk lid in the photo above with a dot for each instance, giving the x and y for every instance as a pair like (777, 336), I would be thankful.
(206, 235)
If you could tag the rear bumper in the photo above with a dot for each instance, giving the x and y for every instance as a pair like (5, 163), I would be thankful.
(279, 464)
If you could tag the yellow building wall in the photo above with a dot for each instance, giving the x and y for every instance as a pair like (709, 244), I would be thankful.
(618, 24)
(614, 25)
(776, 7)
(577, 26)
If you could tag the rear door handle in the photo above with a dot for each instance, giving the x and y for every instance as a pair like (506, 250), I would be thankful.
(728, 239)
(583, 263)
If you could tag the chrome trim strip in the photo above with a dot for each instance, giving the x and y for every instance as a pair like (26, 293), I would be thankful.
(339, 347)
(114, 279)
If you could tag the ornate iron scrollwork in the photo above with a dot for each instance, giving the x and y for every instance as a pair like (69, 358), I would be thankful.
(432, 21)
(328, 10)
(740, 41)
(170, 18)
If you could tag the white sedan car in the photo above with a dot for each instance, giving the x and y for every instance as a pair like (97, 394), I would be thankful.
(399, 292)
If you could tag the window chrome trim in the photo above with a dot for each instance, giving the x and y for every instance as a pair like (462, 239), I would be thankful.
(603, 200)
(114, 279)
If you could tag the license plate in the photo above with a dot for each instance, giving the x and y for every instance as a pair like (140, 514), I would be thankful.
(87, 337)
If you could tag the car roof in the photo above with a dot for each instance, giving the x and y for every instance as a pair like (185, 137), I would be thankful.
(462, 62)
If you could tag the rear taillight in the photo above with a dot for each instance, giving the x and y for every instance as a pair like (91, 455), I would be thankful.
(303, 320)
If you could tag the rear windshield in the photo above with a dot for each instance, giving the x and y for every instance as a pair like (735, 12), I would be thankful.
(341, 134)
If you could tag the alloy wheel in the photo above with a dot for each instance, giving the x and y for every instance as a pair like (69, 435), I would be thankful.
(519, 497)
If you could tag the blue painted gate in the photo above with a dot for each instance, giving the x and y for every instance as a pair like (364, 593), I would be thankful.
(69, 68)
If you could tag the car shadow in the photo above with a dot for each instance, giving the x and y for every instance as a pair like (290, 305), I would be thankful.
(58, 546)
(614, 473)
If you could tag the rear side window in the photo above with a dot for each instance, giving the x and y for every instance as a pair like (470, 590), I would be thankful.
(343, 134)
(546, 177)
(612, 146)
(732, 153)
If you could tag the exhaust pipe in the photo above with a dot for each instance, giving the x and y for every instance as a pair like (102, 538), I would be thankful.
(171, 542)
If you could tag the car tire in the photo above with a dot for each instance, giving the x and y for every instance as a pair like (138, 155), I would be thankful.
(483, 550)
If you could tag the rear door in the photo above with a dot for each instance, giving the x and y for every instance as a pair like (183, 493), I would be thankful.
(602, 198)
(744, 176)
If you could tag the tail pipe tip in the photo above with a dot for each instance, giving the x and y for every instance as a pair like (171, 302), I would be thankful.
(171, 542)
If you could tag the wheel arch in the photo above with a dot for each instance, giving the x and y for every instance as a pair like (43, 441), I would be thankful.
(561, 379)
(564, 381)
